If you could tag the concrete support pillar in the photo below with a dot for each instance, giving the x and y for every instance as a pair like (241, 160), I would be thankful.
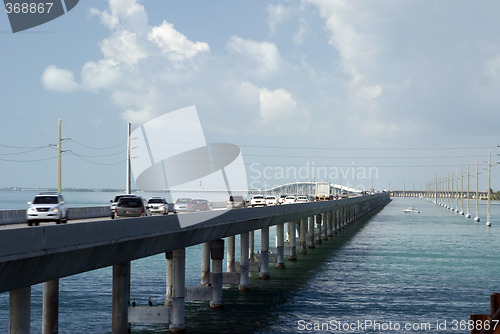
(177, 323)
(205, 264)
(310, 233)
(170, 278)
(50, 318)
(244, 285)
(231, 241)
(251, 245)
(292, 228)
(121, 298)
(20, 311)
(264, 254)
(280, 234)
(303, 236)
(329, 220)
(320, 229)
(324, 224)
(217, 254)
(336, 221)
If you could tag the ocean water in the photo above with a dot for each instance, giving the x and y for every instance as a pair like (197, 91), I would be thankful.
(390, 272)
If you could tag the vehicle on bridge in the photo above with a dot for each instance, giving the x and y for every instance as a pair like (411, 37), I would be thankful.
(158, 205)
(289, 200)
(281, 199)
(302, 199)
(114, 201)
(182, 205)
(132, 206)
(200, 205)
(46, 207)
(271, 200)
(258, 200)
(236, 202)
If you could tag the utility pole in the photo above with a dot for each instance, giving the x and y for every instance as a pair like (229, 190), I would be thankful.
(488, 222)
(59, 153)
(128, 182)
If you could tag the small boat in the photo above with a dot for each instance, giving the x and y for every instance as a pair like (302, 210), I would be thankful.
(411, 210)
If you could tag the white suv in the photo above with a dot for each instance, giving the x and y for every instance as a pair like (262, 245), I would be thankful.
(47, 206)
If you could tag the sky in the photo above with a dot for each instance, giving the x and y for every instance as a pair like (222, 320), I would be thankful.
(383, 94)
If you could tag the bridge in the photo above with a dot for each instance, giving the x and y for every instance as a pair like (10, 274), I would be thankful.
(439, 194)
(33, 255)
(307, 188)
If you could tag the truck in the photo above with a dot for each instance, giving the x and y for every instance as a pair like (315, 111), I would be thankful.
(322, 191)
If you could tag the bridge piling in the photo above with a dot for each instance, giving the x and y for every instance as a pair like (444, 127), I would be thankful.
(121, 298)
(320, 232)
(217, 255)
(264, 254)
(244, 285)
(324, 225)
(329, 219)
(280, 231)
(50, 317)
(205, 264)
(310, 233)
(231, 242)
(177, 323)
(303, 236)
(20, 311)
(170, 278)
(292, 228)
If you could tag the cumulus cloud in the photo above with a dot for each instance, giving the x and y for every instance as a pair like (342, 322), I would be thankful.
(280, 109)
(175, 45)
(138, 60)
(59, 80)
(264, 55)
(122, 46)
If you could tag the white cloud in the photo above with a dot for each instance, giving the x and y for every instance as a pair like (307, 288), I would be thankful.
(279, 109)
(277, 14)
(263, 54)
(58, 79)
(104, 74)
(357, 50)
(125, 13)
(175, 45)
(123, 47)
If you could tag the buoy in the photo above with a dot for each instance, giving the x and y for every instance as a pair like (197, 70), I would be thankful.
(477, 219)
(488, 224)
(467, 215)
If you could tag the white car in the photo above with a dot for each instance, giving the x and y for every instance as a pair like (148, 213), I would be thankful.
(158, 205)
(271, 200)
(258, 200)
(47, 206)
(302, 199)
(289, 200)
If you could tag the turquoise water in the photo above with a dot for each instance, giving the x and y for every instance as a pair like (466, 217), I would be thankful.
(390, 270)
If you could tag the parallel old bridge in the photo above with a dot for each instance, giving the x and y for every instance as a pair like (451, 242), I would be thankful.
(33, 255)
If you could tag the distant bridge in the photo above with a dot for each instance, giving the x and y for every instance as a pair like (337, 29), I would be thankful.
(305, 188)
(440, 194)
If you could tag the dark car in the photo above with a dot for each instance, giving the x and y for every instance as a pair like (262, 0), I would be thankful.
(236, 202)
(199, 205)
(131, 206)
(115, 201)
